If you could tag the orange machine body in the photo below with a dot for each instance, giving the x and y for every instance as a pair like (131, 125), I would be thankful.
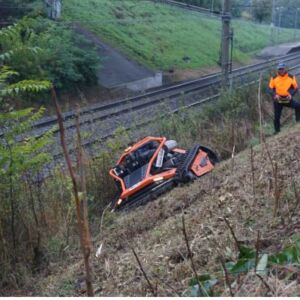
(146, 174)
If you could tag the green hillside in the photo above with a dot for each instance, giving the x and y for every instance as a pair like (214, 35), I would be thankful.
(164, 37)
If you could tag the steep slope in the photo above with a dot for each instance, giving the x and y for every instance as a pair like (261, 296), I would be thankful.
(241, 190)
(163, 37)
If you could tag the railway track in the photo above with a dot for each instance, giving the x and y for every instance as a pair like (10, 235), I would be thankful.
(122, 106)
(141, 114)
(99, 122)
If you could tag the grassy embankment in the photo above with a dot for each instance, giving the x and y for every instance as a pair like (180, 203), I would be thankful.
(236, 190)
(161, 36)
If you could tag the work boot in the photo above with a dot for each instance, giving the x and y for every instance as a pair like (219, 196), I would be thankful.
(297, 114)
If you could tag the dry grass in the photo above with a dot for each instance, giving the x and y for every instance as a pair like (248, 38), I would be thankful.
(253, 287)
(155, 230)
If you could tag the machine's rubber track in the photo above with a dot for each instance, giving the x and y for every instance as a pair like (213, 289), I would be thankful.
(146, 195)
(183, 175)
(184, 166)
(213, 157)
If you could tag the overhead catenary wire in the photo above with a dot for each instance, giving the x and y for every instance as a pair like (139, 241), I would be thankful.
(109, 21)
(138, 2)
(207, 13)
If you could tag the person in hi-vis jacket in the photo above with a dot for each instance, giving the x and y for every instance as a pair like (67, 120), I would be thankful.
(282, 87)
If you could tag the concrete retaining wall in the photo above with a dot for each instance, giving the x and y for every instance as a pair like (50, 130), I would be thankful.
(145, 83)
(279, 50)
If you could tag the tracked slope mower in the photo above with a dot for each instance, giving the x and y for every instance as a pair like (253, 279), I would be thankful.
(153, 165)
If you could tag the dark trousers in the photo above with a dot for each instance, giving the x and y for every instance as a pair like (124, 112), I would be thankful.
(278, 109)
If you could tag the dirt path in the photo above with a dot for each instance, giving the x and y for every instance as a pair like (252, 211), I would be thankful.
(116, 68)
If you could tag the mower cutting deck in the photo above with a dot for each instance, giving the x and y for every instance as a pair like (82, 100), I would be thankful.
(154, 165)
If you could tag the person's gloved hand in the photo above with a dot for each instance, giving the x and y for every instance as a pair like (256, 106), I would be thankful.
(276, 97)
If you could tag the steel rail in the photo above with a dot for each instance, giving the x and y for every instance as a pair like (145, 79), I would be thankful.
(88, 144)
(139, 106)
(164, 94)
(147, 100)
(191, 85)
(200, 102)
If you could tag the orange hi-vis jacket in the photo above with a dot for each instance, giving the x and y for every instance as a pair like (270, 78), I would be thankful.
(283, 85)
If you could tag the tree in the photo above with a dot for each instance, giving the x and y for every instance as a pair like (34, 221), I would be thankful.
(19, 153)
(56, 53)
(16, 158)
(262, 10)
(287, 12)
(12, 10)
(8, 89)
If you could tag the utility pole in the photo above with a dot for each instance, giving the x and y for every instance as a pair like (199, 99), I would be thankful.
(225, 43)
(53, 8)
(280, 15)
(272, 22)
(296, 22)
(279, 9)
(212, 7)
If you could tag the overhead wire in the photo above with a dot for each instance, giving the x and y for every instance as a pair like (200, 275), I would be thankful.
(119, 21)
(161, 3)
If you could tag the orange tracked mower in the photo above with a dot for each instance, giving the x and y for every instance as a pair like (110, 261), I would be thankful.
(154, 165)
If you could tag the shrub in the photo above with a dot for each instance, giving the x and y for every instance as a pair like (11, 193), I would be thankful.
(63, 57)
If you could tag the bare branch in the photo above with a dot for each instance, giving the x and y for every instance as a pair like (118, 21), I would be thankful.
(296, 196)
(154, 293)
(226, 276)
(264, 282)
(166, 284)
(233, 234)
(276, 191)
(260, 109)
(257, 245)
(190, 254)
(252, 169)
(81, 164)
(81, 224)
